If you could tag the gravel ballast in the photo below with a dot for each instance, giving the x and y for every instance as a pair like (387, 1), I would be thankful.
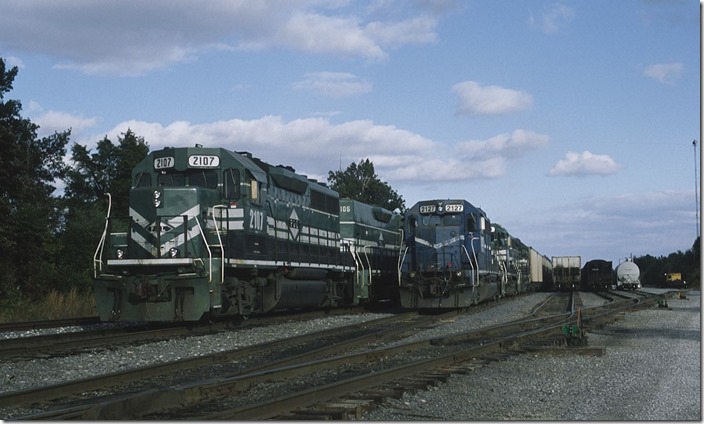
(651, 370)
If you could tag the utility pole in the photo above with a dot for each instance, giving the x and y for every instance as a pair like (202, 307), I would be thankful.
(696, 185)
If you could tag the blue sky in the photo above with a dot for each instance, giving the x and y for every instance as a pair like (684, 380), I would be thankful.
(569, 122)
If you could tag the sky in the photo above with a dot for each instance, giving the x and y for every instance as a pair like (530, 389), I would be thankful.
(570, 123)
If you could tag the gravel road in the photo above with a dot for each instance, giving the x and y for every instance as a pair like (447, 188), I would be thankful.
(651, 370)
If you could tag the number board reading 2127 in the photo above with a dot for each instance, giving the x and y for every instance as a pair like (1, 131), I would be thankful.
(449, 208)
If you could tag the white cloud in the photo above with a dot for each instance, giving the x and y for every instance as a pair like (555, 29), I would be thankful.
(638, 220)
(333, 84)
(131, 37)
(554, 19)
(666, 73)
(314, 146)
(52, 121)
(585, 163)
(490, 100)
(11, 61)
(506, 145)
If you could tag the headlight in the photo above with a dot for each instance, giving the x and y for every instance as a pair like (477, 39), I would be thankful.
(173, 252)
(120, 253)
(157, 200)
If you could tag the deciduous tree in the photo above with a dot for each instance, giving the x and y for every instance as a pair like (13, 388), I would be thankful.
(360, 182)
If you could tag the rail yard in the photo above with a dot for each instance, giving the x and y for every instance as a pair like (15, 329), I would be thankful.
(196, 371)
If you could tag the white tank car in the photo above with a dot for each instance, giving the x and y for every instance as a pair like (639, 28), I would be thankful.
(628, 276)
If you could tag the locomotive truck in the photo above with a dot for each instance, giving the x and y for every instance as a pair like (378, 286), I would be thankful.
(212, 232)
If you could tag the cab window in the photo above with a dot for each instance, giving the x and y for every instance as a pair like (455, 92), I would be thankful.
(232, 184)
(171, 180)
(207, 179)
(254, 185)
(143, 179)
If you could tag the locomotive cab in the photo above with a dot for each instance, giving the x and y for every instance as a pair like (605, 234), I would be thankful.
(164, 261)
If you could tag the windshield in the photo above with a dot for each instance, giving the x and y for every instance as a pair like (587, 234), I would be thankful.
(206, 178)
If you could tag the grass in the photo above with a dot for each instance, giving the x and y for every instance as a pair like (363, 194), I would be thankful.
(73, 304)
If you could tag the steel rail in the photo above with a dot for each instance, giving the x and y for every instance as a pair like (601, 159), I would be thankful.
(92, 383)
(154, 401)
(48, 323)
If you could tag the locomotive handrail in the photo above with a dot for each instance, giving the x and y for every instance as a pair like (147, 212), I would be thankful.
(371, 271)
(210, 254)
(358, 263)
(217, 232)
(400, 258)
(474, 253)
(98, 256)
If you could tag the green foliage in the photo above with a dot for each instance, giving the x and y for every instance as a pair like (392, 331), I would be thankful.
(31, 214)
(360, 182)
(47, 240)
(108, 170)
(93, 175)
(652, 269)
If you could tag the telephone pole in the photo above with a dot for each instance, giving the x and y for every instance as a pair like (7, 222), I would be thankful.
(696, 185)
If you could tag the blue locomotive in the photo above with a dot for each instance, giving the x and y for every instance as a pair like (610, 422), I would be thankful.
(453, 258)
(212, 232)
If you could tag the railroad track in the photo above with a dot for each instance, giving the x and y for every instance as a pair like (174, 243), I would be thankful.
(109, 336)
(336, 338)
(51, 323)
(328, 380)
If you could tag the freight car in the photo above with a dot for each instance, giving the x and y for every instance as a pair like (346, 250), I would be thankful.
(566, 272)
(452, 259)
(212, 232)
(540, 271)
(628, 276)
(597, 275)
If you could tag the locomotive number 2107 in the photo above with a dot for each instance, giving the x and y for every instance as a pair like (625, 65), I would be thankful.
(203, 161)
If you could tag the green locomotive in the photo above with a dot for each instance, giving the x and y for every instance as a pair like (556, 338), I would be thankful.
(212, 232)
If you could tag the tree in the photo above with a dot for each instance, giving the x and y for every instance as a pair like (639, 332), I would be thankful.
(652, 269)
(92, 176)
(31, 213)
(360, 182)
(108, 170)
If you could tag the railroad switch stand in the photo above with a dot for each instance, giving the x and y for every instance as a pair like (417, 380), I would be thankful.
(574, 335)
